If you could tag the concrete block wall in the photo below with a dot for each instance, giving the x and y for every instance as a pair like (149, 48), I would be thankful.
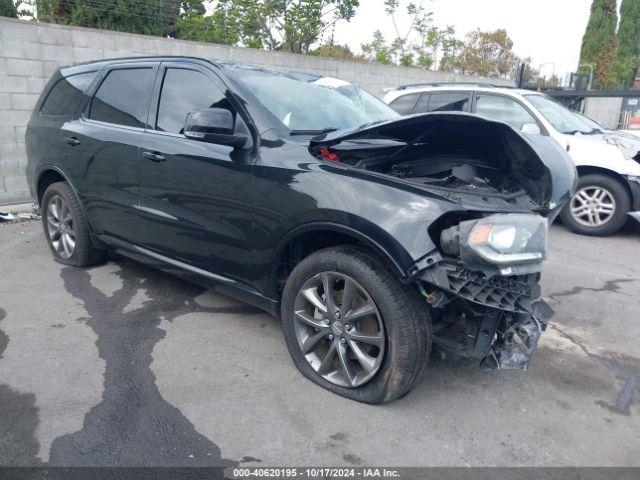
(30, 52)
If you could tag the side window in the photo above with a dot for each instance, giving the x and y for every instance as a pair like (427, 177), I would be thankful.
(404, 104)
(123, 96)
(423, 103)
(503, 109)
(447, 102)
(66, 94)
(182, 92)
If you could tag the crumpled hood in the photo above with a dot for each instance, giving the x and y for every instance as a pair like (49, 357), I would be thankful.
(538, 162)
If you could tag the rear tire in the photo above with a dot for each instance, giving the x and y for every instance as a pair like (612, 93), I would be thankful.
(402, 317)
(67, 229)
(610, 202)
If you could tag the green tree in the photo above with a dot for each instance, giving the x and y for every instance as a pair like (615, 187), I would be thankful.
(151, 17)
(599, 42)
(421, 44)
(628, 52)
(404, 49)
(293, 25)
(216, 28)
(451, 49)
(334, 51)
(196, 6)
(8, 9)
(377, 50)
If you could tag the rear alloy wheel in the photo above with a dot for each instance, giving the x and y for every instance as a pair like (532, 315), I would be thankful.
(599, 207)
(353, 328)
(60, 227)
(67, 229)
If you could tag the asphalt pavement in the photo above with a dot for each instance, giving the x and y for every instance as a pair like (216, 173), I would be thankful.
(124, 365)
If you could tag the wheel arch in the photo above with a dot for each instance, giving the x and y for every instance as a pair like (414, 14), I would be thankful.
(50, 174)
(47, 176)
(589, 169)
(302, 241)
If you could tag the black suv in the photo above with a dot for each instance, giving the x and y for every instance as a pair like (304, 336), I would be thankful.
(373, 237)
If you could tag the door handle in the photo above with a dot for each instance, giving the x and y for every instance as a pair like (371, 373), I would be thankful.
(73, 141)
(154, 157)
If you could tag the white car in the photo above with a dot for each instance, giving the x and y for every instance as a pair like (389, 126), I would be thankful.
(608, 187)
(627, 142)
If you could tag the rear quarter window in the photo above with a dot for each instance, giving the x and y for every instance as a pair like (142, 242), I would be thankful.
(444, 102)
(67, 93)
(404, 104)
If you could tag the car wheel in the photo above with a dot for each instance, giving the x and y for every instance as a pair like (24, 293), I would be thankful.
(66, 227)
(353, 328)
(599, 207)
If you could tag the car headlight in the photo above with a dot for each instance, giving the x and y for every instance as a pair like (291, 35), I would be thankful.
(502, 240)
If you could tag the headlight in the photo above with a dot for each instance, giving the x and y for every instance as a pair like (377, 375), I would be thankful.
(504, 240)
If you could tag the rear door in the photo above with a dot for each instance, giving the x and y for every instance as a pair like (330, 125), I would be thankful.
(104, 142)
(46, 138)
(194, 194)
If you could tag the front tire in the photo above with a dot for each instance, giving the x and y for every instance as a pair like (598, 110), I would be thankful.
(369, 340)
(67, 229)
(598, 208)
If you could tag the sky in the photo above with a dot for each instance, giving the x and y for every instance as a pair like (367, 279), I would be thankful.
(548, 31)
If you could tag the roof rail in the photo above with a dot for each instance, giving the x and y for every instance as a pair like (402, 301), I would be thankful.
(440, 84)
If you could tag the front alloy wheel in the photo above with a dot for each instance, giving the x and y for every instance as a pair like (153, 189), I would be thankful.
(339, 329)
(599, 207)
(353, 327)
(592, 206)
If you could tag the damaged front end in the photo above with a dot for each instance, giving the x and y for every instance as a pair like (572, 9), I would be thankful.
(484, 290)
(497, 189)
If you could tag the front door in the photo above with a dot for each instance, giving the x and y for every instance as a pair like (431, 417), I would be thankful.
(193, 194)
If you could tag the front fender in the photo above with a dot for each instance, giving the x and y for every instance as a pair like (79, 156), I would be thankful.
(595, 153)
(361, 230)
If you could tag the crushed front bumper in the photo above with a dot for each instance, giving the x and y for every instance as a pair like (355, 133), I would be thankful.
(497, 320)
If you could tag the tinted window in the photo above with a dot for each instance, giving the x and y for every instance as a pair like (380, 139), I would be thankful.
(123, 97)
(404, 104)
(444, 102)
(66, 94)
(503, 109)
(182, 92)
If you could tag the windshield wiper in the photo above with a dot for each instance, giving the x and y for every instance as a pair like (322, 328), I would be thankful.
(313, 132)
(573, 132)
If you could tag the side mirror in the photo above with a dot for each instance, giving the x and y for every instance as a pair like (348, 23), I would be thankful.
(213, 125)
(532, 128)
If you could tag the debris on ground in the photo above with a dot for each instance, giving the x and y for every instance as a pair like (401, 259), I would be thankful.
(20, 216)
(6, 217)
